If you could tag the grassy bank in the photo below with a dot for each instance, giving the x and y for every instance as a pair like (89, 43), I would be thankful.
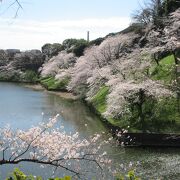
(51, 84)
(165, 71)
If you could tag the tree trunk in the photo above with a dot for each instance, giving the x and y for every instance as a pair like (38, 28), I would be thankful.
(140, 109)
(177, 74)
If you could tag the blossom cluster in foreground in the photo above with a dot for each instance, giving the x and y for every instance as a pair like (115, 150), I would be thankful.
(47, 146)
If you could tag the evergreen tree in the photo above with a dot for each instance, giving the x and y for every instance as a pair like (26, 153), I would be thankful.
(170, 6)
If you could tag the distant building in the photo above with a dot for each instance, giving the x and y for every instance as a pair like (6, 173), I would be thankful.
(12, 51)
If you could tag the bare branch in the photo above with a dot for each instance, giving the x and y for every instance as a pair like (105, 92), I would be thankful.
(15, 2)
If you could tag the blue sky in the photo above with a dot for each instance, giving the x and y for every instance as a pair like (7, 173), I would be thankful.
(48, 21)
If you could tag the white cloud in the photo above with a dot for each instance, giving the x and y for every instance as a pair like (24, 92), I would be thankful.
(33, 34)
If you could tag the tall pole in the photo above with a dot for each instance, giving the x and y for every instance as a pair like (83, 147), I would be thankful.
(87, 36)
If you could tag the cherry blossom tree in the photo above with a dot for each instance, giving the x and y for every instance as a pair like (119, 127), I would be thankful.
(81, 72)
(47, 146)
(63, 60)
(96, 58)
(126, 95)
(113, 48)
(98, 78)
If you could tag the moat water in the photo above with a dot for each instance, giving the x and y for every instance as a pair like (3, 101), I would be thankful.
(22, 107)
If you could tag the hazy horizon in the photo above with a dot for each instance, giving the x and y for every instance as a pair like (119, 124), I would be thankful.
(52, 22)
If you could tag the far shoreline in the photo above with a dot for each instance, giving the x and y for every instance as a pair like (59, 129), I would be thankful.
(39, 87)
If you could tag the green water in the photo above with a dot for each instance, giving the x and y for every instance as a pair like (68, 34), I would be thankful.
(22, 108)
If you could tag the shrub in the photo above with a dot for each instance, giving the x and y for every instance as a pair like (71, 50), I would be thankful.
(96, 42)
(77, 46)
(31, 76)
(19, 175)
(52, 49)
(169, 6)
(68, 43)
(14, 76)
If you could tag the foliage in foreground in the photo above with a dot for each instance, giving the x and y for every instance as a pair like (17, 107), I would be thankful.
(19, 175)
(130, 176)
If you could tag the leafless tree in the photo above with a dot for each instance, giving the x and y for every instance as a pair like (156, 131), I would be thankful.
(16, 3)
(149, 12)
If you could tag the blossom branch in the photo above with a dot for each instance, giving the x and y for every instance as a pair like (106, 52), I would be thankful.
(3, 162)
(43, 145)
